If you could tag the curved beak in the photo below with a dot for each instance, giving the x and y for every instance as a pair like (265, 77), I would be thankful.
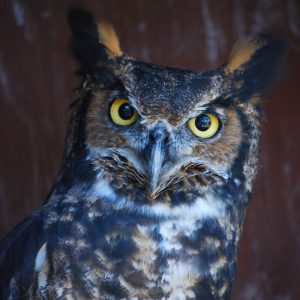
(157, 156)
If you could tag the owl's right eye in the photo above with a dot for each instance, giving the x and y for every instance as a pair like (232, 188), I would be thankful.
(205, 126)
(122, 113)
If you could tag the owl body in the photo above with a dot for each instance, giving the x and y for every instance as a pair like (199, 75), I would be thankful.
(158, 170)
(89, 251)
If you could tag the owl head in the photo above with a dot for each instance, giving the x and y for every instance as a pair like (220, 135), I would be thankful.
(161, 134)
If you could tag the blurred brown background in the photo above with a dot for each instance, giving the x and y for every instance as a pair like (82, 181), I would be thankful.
(37, 84)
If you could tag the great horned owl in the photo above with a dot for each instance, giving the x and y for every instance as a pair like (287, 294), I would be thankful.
(158, 169)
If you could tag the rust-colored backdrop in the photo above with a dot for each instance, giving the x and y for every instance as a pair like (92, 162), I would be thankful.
(36, 87)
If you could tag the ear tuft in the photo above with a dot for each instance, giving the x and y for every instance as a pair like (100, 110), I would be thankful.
(85, 45)
(93, 45)
(243, 52)
(255, 64)
(109, 38)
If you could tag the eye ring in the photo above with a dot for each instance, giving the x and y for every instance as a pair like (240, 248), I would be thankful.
(205, 125)
(122, 113)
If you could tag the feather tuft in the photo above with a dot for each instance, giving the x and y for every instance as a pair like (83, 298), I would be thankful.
(243, 52)
(109, 38)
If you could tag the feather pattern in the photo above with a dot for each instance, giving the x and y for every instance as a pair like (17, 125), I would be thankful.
(153, 209)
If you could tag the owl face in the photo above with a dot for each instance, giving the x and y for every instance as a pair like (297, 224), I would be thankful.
(164, 134)
(163, 126)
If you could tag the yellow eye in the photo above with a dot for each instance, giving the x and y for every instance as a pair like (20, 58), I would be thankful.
(204, 126)
(122, 113)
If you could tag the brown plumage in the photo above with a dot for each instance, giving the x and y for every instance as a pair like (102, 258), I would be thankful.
(158, 170)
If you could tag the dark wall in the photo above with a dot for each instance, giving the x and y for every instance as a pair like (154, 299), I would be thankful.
(37, 83)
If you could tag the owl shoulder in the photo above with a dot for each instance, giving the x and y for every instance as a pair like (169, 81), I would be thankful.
(17, 256)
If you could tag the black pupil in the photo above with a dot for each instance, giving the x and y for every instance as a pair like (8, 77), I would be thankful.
(203, 122)
(126, 111)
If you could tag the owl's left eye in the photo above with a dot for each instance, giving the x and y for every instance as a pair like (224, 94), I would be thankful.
(205, 125)
(122, 113)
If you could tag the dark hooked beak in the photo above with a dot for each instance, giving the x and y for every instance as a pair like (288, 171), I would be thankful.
(157, 152)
